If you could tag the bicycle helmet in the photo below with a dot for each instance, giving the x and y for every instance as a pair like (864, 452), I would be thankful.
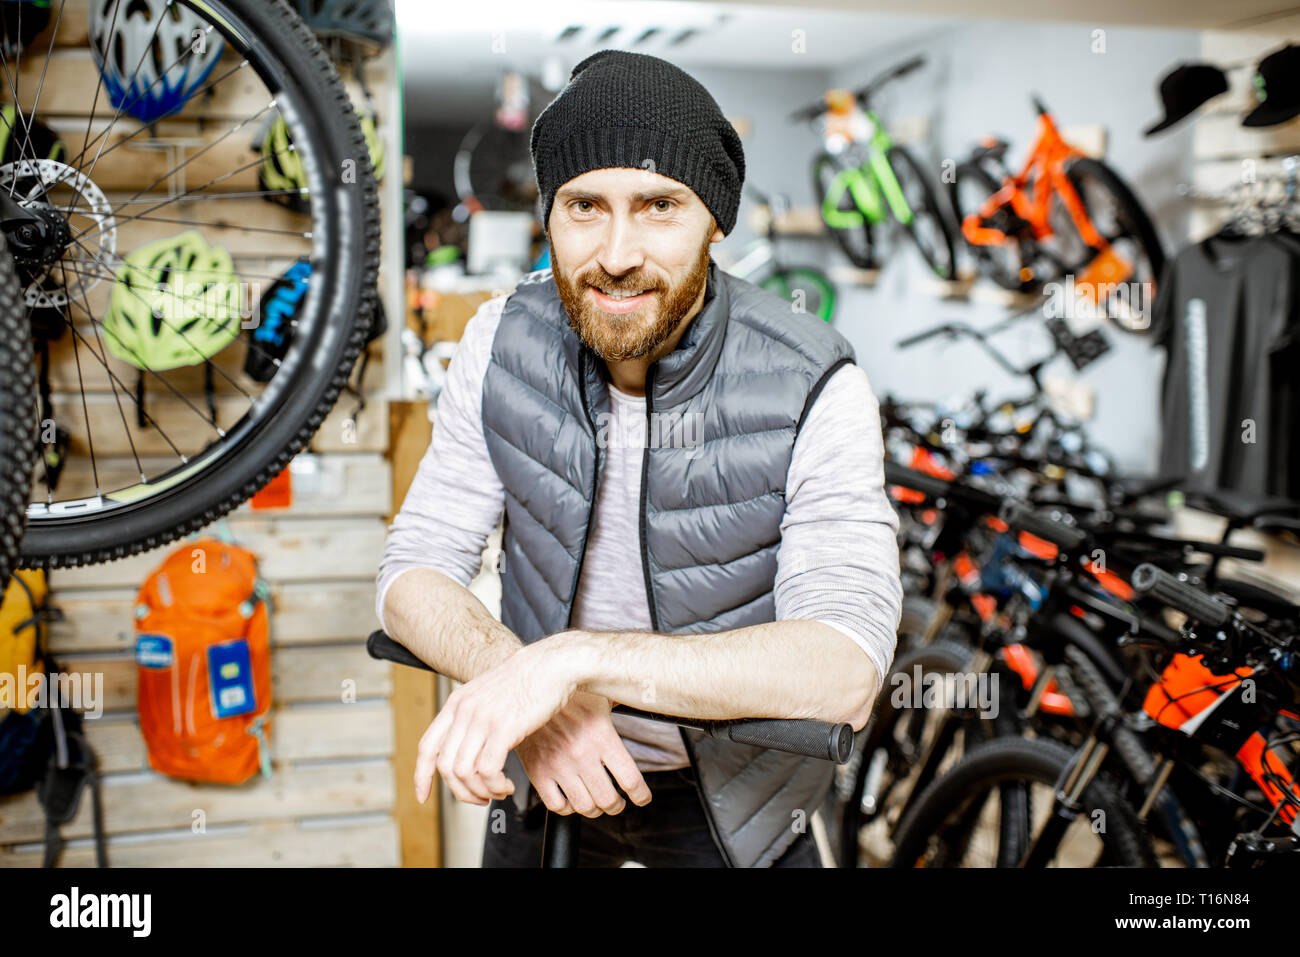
(282, 174)
(19, 142)
(370, 21)
(273, 321)
(151, 68)
(175, 302)
(20, 23)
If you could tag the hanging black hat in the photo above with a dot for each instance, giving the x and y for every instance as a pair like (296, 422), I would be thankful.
(1277, 86)
(1185, 89)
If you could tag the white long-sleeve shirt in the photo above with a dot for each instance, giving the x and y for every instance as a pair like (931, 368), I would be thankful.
(837, 562)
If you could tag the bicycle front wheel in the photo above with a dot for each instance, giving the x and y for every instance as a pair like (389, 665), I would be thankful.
(990, 808)
(263, 173)
(928, 226)
(17, 392)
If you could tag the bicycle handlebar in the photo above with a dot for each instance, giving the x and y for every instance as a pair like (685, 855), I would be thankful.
(863, 95)
(943, 329)
(826, 740)
(1195, 604)
(1023, 517)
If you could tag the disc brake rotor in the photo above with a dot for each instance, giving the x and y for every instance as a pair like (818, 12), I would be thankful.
(31, 181)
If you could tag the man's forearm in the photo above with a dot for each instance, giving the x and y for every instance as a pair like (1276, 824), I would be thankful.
(782, 669)
(445, 626)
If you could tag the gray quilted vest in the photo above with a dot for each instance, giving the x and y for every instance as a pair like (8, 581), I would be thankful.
(748, 369)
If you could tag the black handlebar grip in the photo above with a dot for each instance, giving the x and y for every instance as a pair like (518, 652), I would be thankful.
(1192, 602)
(896, 474)
(379, 645)
(814, 739)
(1023, 517)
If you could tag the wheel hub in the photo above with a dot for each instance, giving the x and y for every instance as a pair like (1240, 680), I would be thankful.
(64, 234)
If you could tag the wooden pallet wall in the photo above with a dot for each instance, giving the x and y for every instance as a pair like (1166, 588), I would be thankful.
(331, 797)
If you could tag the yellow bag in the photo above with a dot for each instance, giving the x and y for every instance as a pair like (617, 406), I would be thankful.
(22, 633)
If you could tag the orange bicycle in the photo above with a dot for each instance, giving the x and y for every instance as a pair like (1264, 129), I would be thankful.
(1063, 215)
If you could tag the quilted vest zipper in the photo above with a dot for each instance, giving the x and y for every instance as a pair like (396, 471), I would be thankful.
(595, 482)
(645, 471)
(654, 611)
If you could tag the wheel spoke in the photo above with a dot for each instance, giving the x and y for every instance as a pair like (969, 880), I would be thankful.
(41, 85)
(185, 195)
(103, 358)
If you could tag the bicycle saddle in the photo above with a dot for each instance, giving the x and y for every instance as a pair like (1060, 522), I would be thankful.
(990, 148)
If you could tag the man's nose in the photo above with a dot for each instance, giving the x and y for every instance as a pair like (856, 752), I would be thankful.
(622, 250)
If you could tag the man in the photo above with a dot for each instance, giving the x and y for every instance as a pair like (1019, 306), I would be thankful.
(692, 479)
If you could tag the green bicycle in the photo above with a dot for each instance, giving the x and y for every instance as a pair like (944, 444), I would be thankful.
(862, 178)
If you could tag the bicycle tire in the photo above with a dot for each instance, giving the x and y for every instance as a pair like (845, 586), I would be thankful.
(856, 242)
(273, 39)
(942, 657)
(1136, 224)
(1004, 263)
(17, 393)
(941, 256)
(1124, 840)
(786, 283)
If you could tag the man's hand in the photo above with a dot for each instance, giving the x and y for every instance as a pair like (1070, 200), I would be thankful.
(566, 759)
(483, 719)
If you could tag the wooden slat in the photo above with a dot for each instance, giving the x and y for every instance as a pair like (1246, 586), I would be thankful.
(297, 674)
(99, 619)
(371, 843)
(73, 77)
(304, 550)
(361, 730)
(152, 802)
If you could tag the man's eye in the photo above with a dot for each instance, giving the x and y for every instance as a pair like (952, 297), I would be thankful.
(663, 205)
(582, 205)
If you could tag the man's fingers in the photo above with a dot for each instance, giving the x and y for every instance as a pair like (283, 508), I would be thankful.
(580, 798)
(626, 773)
(553, 797)
(426, 759)
(602, 790)
(463, 760)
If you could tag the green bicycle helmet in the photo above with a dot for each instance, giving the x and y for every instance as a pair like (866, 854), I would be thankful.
(282, 173)
(175, 302)
(26, 138)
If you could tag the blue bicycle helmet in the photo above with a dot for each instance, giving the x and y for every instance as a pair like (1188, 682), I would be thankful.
(151, 68)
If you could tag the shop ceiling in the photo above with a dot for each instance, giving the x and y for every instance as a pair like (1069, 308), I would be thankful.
(453, 51)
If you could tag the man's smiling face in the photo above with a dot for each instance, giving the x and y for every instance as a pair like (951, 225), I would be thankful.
(630, 256)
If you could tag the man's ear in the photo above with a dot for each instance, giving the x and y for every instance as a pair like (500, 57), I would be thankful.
(718, 235)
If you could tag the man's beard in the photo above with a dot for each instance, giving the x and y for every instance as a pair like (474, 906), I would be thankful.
(630, 335)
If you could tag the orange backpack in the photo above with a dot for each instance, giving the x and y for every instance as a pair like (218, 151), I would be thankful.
(203, 653)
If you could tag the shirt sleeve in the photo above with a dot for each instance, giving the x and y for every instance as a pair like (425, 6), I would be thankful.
(456, 499)
(838, 558)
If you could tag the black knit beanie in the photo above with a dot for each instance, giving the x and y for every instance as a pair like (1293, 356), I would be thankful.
(631, 110)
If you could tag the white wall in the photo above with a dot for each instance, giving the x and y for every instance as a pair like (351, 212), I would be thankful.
(978, 80)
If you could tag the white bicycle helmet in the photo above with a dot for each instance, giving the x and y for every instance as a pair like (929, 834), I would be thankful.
(153, 54)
